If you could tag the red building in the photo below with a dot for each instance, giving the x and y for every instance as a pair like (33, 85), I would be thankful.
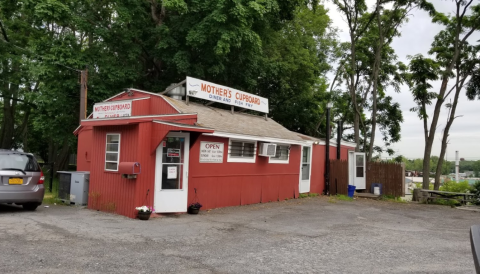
(167, 153)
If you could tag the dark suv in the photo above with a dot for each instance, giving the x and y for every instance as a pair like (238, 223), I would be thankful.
(21, 179)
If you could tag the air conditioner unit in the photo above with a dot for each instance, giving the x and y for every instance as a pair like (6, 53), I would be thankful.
(73, 187)
(267, 149)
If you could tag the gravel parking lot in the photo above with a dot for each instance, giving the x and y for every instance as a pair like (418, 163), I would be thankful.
(312, 235)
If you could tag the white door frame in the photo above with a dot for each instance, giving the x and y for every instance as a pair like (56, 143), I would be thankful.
(353, 179)
(304, 185)
(171, 200)
(351, 167)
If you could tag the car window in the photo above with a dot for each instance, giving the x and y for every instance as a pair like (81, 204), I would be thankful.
(18, 161)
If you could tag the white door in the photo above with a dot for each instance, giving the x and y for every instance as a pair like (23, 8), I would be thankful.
(359, 176)
(305, 169)
(171, 173)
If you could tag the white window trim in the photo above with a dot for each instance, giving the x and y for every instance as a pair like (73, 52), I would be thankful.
(241, 159)
(277, 161)
(118, 158)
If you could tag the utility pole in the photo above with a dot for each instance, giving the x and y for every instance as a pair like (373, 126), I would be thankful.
(327, 151)
(339, 138)
(83, 94)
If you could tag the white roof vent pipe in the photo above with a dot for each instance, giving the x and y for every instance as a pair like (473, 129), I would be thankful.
(177, 93)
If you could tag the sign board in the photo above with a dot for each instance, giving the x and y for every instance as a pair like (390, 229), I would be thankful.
(211, 152)
(112, 109)
(173, 152)
(172, 172)
(222, 94)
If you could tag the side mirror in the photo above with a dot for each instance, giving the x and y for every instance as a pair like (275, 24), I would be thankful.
(475, 241)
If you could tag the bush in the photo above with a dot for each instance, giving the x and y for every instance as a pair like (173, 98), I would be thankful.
(452, 186)
(420, 185)
(476, 191)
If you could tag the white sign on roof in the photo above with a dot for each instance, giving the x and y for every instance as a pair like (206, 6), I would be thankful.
(222, 94)
(112, 109)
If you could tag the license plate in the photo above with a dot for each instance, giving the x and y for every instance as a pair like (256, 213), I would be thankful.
(15, 181)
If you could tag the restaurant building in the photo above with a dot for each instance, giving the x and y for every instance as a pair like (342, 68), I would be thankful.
(144, 148)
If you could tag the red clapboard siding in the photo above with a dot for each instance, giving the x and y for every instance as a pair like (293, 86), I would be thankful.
(84, 151)
(107, 190)
(317, 178)
(233, 184)
(141, 107)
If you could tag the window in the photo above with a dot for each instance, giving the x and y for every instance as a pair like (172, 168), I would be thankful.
(360, 159)
(13, 160)
(281, 154)
(242, 151)
(112, 152)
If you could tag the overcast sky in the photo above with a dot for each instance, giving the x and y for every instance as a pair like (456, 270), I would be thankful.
(417, 36)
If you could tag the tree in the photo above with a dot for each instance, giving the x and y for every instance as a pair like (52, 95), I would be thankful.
(278, 49)
(462, 26)
(377, 29)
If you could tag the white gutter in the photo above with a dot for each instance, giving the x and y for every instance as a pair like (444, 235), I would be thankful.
(256, 138)
(181, 125)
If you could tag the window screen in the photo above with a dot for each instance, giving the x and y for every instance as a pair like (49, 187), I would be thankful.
(239, 149)
(281, 152)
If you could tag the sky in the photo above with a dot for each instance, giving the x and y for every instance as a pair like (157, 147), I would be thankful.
(416, 38)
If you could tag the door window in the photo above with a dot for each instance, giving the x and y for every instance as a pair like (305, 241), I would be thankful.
(172, 162)
(306, 163)
(359, 164)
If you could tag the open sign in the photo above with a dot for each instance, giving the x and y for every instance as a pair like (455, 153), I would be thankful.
(211, 152)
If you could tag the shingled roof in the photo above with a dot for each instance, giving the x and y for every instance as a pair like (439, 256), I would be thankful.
(237, 123)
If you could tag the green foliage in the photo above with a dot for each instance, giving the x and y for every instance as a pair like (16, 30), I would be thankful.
(476, 192)
(452, 186)
(303, 195)
(419, 185)
(423, 71)
(277, 49)
(451, 203)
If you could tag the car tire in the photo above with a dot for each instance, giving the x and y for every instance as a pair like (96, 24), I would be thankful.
(30, 206)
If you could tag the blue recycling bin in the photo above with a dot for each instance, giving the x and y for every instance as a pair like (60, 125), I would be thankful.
(351, 190)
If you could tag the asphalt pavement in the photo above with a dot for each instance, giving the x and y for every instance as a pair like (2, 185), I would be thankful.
(311, 235)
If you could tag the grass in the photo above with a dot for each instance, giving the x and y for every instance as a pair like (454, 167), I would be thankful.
(46, 184)
(332, 200)
(51, 199)
(391, 198)
(306, 195)
(344, 198)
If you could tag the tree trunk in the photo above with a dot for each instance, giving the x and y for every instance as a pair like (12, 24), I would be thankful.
(356, 120)
(441, 94)
(376, 69)
(451, 118)
(58, 155)
(7, 131)
(61, 161)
